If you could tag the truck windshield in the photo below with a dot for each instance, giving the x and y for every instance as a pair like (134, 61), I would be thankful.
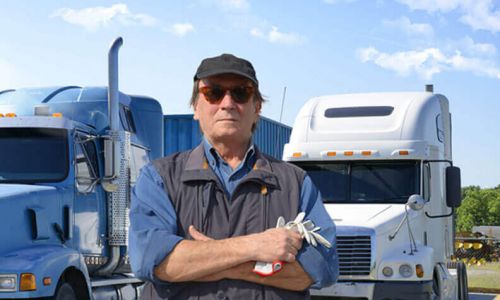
(33, 155)
(365, 181)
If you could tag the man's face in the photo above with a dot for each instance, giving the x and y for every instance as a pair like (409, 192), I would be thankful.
(226, 121)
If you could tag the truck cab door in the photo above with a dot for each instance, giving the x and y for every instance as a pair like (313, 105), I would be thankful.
(90, 204)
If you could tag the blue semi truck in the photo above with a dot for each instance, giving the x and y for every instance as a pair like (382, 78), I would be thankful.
(69, 157)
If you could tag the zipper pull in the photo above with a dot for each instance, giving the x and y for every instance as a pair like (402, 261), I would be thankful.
(263, 190)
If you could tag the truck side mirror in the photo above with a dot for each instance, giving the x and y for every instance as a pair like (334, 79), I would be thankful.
(416, 202)
(453, 187)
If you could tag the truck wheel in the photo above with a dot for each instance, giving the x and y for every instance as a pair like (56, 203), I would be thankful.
(463, 290)
(436, 286)
(65, 292)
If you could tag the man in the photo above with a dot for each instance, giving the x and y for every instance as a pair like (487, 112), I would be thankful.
(201, 219)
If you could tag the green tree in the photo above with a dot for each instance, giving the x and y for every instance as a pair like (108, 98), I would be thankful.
(479, 207)
(493, 199)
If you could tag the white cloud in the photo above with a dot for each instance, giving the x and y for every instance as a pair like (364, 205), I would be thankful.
(428, 62)
(468, 46)
(432, 5)
(224, 5)
(475, 65)
(405, 24)
(478, 14)
(276, 36)
(181, 29)
(93, 18)
(232, 5)
(337, 1)
(239, 4)
(257, 33)
(425, 63)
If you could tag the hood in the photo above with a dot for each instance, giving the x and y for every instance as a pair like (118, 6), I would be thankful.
(28, 213)
(21, 190)
(381, 217)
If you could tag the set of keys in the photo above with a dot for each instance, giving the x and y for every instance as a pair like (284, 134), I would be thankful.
(307, 231)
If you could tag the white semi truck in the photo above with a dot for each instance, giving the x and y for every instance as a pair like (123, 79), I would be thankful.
(383, 163)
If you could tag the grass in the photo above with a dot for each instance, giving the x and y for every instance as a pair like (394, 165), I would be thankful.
(486, 276)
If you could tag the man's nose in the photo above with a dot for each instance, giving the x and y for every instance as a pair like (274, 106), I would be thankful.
(227, 101)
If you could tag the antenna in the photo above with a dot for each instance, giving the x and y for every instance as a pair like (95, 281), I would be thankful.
(279, 128)
(282, 102)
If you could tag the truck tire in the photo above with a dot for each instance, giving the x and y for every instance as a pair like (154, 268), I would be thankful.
(65, 292)
(463, 290)
(436, 285)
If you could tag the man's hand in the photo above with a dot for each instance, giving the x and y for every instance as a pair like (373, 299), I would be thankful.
(276, 244)
(198, 236)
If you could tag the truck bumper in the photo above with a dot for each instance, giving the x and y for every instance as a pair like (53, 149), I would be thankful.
(386, 290)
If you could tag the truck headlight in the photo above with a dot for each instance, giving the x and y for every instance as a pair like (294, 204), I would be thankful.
(387, 271)
(8, 283)
(405, 270)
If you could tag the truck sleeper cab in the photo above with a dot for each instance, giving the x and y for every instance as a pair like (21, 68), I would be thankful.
(383, 165)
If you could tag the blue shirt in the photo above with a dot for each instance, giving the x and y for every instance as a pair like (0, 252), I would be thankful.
(152, 234)
(227, 176)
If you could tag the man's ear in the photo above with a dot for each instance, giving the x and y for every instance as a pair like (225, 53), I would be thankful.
(258, 107)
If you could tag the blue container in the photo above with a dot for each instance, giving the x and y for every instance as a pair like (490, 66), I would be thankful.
(182, 132)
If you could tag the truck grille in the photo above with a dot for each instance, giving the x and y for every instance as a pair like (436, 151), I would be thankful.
(354, 255)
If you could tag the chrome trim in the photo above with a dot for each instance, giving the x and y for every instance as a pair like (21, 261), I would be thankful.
(12, 276)
(356, 251)
(95, 260)
(114, 281)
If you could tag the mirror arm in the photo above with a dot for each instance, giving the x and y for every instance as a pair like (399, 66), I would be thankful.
(92, 185)
(441, 216)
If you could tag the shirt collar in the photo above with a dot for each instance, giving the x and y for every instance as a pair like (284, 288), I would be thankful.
(214, 158)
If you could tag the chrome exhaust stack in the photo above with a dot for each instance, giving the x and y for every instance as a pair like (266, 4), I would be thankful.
(117, 168)
(113, 91)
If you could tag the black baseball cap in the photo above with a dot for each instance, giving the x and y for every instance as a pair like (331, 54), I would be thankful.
(224, 64)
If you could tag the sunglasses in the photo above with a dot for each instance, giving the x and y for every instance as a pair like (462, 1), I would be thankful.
(240, 94)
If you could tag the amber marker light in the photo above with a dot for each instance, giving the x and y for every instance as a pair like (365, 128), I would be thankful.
(57, 115)
(2, 115)
(404, 152)
(348, 153)
(297, 154)
(331, 153)
(47, 281)
(419, 270)
(366, 153)
(10, 115)
(28, 282)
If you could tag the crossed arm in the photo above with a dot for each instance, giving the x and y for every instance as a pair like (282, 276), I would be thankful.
(157, 253)
(205, 259)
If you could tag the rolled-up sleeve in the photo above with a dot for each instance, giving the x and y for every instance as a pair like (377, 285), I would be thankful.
(319, 262)
(153, 224)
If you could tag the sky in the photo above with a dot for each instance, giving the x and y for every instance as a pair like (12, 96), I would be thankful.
(311, 47)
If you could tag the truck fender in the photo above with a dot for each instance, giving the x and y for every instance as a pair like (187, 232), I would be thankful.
(46, 261)
(446, 285)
